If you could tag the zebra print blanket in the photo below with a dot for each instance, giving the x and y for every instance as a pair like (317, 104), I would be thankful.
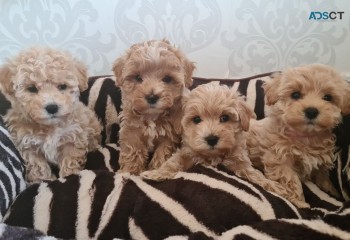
(20, 233)
(203, 203)
(11, 171)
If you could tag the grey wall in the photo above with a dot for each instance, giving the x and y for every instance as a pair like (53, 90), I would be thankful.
(226, 38)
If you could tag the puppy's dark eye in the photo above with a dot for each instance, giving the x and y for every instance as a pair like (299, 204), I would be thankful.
(62, 87)
(32, 89)
(138, 78)
(295, 95)
(327, 97)
(196, 119)
(167, 79)
(224, 118)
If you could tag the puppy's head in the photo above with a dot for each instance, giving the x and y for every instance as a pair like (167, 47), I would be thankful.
(43, 84)
(152, 75)
(309, 99)
(214, 117)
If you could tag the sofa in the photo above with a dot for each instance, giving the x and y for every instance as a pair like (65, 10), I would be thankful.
(201, 203)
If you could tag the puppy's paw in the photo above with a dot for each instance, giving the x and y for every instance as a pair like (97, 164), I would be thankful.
(156, 163)
(132, 169)
(275, 187)
(39, 173)
(300, 204)
(71, 166)
(156, 175)
(31, 180)
(68, 171)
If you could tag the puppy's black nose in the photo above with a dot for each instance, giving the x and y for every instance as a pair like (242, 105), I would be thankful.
(212, 140)
(51, 108)
(152, 99)
(311, 112)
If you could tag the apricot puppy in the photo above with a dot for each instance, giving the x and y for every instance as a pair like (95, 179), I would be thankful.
(152, 77)
(295, 142)
(47, 122)
(215, 119)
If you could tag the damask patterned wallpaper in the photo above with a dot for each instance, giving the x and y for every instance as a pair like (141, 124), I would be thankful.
(226, 38)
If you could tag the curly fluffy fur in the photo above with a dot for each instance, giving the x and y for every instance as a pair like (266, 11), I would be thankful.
(214, 120)
(152, 77)
(295, 141)
(47, 121)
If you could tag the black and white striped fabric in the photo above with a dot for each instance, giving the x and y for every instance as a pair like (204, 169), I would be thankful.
(20, 233)
(104, 158)
(11, 171)
(340, 174)
(104, 97)
(203, 203)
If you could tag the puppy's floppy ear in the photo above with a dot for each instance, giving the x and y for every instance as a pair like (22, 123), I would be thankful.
(185, 96)
(271, 88)
(345, 109)
(179, 111)
(82, 75)
(6, 84)
(166, 41)
(118, 70)
(119, 64)
(189, 68)
(245, 114)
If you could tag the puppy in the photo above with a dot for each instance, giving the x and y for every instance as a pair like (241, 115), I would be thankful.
(47, 122)
(296, 139)
(152, 77)
(214, 120)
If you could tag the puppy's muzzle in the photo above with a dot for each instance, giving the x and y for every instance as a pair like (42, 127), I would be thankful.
(51, 109)
(212, 140)
(152, 99)
(311, 112)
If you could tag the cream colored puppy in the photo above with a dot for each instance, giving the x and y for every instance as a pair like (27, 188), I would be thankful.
(152, 77)
(214, 121)
(295, 141)
(47, 121)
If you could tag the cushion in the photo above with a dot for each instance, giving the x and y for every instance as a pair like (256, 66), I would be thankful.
(11, 171)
